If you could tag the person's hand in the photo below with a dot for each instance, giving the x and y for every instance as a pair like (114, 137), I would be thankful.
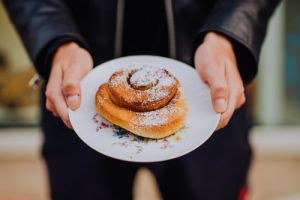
(70, 64)
(217, 67)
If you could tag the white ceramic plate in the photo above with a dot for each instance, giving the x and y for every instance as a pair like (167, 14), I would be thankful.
(117, 143)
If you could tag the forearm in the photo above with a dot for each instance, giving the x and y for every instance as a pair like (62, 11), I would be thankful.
(244, 23)
(42, 24)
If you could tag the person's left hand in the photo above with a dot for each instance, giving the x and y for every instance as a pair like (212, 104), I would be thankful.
(217, 67)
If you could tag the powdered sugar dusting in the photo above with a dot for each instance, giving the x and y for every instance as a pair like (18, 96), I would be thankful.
(165, 80)
(145, 76)
(158, 117)
(144, 85)
(117, 80)
(159, 79)
(155, 118)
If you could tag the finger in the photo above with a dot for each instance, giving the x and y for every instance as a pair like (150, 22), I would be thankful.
(62, 110)
(71, 86)
(68, 124)
(55, 97)
(50, 107)
(236, 83)
(215, 77)
(226, 116)
(50, 89)
(241, 101)
(236, 95)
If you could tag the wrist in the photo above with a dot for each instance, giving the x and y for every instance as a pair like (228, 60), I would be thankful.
(218, 39)
(64, 50)
(67, 46)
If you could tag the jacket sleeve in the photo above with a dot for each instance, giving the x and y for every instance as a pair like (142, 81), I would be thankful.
(244, 22)
(43, 25)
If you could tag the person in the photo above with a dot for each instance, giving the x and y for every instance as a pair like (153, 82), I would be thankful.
(222, 39)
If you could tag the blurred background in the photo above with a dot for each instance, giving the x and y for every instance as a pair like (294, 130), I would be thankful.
(274, 100)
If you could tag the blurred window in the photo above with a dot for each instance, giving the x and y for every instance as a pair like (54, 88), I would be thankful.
(277, 87)
(292, 61)
(18, 101)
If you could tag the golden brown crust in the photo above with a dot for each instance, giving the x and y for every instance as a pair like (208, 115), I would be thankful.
(142, 89)
(154, 124)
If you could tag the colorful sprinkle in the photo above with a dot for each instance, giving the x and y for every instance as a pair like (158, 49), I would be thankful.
(131, 139)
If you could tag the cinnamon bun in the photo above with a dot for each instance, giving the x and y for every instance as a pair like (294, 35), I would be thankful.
(146, 101)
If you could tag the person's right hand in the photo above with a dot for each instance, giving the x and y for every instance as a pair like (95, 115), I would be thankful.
(70, 64)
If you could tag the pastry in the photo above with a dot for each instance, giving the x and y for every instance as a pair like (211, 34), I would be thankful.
(146, 101)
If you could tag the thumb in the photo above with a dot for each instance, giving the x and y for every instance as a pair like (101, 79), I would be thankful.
(219, 91)
(71, 87)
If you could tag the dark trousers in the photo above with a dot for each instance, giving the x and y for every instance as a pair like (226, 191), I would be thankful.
(217, 170)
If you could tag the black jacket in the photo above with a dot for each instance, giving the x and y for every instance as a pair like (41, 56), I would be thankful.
(44, 25)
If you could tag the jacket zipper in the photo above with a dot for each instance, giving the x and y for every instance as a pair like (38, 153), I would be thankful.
(119, 28)
(170, 23)
(171, 28)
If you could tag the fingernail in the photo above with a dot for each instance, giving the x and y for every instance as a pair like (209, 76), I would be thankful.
(72, 101)
(220, 105)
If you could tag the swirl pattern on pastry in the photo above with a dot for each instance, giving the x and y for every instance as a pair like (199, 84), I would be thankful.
(142, 89)
(158, 122)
